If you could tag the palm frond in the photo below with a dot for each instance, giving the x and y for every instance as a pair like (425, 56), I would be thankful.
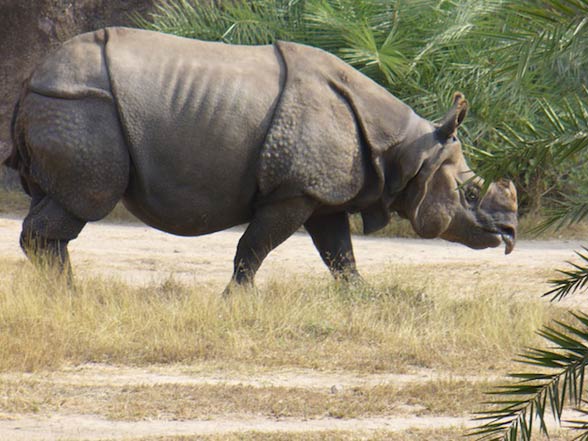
(573, 279)
(580, 426)
(240, 21)
(558, 133)
(362, 33)
(457, 23)
(543, 39)
(563, 212)
(559, 381)
(186, 19)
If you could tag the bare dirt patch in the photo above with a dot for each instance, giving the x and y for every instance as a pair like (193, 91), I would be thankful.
(96, 374)
(66, 422)
(138, 254)
(54, 403)
(93, 428)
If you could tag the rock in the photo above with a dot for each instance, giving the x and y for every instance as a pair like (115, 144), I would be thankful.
(336, 389)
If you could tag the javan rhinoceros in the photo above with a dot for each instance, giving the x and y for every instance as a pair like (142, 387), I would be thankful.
(196, 137)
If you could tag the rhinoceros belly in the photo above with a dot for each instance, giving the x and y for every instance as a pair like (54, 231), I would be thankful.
(195, 115)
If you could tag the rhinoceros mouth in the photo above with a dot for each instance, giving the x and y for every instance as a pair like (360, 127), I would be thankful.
(505, 235)
(509, 242)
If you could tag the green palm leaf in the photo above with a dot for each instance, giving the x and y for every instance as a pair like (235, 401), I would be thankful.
(560, 381)
(573, 280)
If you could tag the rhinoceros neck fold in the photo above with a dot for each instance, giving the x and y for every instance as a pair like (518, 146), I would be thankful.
(331, 127)
(404, 160)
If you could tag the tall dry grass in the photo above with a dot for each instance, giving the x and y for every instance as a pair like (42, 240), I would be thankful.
(396, 323)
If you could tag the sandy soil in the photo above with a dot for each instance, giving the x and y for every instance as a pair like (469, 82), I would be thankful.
(84, 427)
(139, 254)
(63, 426)
(142, 255)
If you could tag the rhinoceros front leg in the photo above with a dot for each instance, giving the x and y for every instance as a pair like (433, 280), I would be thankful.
(331, 237)
(271, 225)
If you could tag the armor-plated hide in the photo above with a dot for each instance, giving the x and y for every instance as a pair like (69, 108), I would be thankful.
(195, 137)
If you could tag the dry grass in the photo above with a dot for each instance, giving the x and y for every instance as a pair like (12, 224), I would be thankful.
(528, 223)
(396, 324)
(408, 435)
(410, 317)
(173, 402)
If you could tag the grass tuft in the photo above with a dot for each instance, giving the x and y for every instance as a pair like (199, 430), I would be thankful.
(395, 323)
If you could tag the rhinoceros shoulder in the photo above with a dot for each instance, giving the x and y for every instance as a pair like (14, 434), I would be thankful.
(330, 130)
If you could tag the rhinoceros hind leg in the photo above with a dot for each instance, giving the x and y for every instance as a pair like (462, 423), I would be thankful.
(46, 231)
(331, 237)
(271, 225)
(77, 152)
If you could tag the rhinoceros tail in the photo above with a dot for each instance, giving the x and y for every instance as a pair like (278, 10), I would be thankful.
(17, 158)
(13, 159)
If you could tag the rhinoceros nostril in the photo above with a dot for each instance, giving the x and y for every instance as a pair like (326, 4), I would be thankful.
(507, 230)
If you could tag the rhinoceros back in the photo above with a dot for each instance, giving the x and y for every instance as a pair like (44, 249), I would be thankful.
(195, 115)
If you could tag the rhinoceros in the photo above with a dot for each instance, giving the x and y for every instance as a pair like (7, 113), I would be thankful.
(196, 137)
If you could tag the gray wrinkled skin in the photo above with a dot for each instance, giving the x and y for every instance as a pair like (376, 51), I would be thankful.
(195, 137)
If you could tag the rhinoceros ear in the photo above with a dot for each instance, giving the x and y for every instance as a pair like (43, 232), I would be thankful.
(454, 117)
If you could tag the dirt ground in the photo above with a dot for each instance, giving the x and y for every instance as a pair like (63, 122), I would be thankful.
(141, 255)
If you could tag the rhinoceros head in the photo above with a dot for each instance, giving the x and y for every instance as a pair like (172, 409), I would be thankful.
(443, 197)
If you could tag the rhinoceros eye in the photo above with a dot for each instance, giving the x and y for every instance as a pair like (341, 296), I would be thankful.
(472, 195)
